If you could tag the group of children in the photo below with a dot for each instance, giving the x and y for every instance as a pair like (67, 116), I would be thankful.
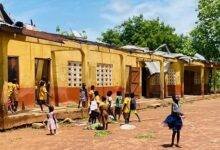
(101, 108)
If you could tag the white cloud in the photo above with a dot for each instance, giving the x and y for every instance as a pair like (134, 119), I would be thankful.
(180, 14)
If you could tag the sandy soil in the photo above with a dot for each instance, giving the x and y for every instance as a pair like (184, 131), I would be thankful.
(201, 131)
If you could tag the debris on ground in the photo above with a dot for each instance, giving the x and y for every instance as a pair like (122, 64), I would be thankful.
(66, 121)
(38, 125)
(146, 136)
(95, 126)
(102, 133)
(127, 127)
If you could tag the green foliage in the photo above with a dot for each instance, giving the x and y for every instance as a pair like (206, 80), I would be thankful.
(141, 32)
(102, 133)
(146, 136)
(206, 36)
(186, 48)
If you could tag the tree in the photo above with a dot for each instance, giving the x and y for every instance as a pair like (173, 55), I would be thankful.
(206, 36)
(141, 32)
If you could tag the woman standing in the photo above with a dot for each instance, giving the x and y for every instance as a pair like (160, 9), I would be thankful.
(174, 120)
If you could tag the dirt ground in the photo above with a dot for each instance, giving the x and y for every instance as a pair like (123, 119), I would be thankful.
(201, 131)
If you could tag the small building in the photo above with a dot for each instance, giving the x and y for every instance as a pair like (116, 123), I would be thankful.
(66, 63)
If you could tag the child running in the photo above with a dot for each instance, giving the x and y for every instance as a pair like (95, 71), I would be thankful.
(118, 105)
(126, 108)
(134, 106)
(52, 121)
(174, 121)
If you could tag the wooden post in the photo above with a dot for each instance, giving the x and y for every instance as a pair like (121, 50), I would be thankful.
(182, 79)
(161, 79)
(202, 79)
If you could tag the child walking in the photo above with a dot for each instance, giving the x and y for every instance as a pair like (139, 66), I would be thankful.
(174, 120)
(118, 105)
(52, 121)
(126, 108)
(134, 106)
(42, 95)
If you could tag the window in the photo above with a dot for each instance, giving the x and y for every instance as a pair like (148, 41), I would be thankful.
(104, 75)
(196, 78)
(74, 74)
(13, 69)
(171, 77)
(156, 79)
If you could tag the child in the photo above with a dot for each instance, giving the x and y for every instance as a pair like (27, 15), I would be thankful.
(83, 96)
(174, 121)
(52, 121)
(103, 106)
(134, 106)
(13, 88)
(93, 112)
(118, 105)
(42, 96)
(91, 93)
(110, 103)
(126, 108)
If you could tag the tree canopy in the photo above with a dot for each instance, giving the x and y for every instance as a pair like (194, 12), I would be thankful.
(206, 35)
(141, 32)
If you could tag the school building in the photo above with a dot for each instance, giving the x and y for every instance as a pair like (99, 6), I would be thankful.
(28, 55)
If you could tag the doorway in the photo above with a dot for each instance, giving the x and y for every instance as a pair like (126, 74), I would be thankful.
(42, 69)
(188, 82)
(145, 81)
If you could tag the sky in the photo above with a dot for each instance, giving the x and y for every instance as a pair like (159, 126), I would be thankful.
(95, 16)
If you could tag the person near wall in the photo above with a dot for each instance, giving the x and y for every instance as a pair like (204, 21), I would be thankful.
(126, 108)
(13, 89)
(174, 120)
(83, 96)
(110, 104)
(103, 107)
(42, 95)
(133, 106)
(91, 94)
(118, 105)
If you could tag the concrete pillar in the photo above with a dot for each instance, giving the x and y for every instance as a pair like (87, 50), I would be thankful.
(161, 79)
(202, 79)
(182, 79)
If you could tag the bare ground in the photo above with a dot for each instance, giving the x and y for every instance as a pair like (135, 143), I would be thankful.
(201, 131)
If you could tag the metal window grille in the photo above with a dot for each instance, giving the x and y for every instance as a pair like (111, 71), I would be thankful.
(74, 74)
(104, 75)
(171, 77)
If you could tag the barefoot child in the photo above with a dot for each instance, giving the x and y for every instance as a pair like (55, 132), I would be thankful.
(103, 107)
(52, 121)
(174, 121)
(118, 105)
(110, 104)
(93, 111)
(134, 106)
(126, 108)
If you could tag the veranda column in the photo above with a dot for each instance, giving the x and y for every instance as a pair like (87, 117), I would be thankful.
(202, 79)
(182, 79)
(161, 79)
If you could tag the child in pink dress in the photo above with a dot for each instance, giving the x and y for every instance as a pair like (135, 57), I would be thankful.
(52, 121)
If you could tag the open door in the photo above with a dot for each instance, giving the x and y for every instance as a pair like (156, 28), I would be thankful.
(42, 69)
(135, 81)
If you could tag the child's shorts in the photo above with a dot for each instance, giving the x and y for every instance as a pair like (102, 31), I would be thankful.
(41, 102)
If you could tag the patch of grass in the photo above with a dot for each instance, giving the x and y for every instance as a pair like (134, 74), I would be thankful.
(146, 136)
(102, 133)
